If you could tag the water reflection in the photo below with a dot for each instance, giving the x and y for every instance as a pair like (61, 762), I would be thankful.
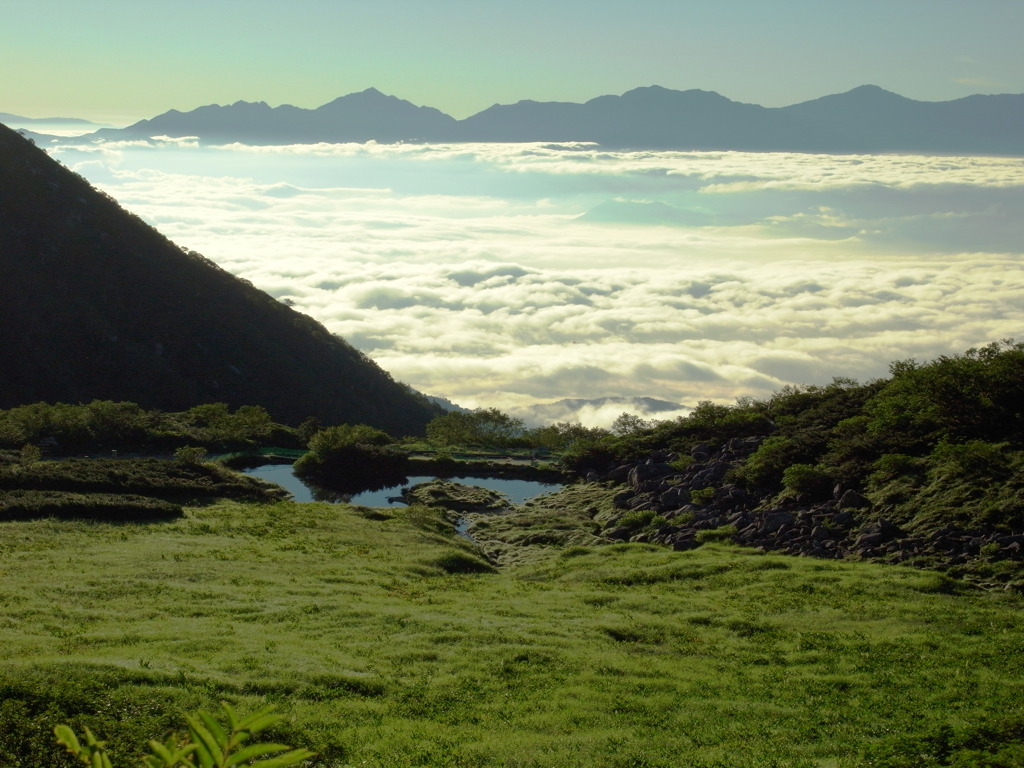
(515, 489)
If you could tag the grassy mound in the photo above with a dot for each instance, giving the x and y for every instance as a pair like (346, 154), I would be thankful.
(30, 505)
(147, 477)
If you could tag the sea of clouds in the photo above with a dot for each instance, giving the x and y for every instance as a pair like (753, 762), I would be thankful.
(507, 275)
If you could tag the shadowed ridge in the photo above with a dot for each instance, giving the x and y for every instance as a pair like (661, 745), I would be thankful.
(99, 305)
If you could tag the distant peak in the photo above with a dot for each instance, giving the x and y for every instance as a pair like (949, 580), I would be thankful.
(659, 90)
(360, 97)
(649, 89)
(872, 90)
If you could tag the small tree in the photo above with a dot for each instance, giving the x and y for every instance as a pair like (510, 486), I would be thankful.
(561, 435)
(629, 424)
(485, 427)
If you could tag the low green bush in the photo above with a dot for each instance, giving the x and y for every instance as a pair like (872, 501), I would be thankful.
(640, 520)
(461, 562)
(190, 454)
(807, 481)
(702, 496)
(105, 507)
(722, 533)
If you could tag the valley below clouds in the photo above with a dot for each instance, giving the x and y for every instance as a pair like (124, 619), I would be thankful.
(509, 275)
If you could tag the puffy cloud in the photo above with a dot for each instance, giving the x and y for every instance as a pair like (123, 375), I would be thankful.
(465, 271)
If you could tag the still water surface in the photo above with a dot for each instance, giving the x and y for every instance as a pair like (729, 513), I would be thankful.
(516, 490)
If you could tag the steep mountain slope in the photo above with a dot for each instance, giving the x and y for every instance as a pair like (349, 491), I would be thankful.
(98, 305)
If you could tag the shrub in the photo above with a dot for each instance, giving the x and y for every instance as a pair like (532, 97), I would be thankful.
(807, 481)
(486, 427)
(702, 496)
(972, 461)
(343, 436)
(30, 454)
(587, 454)
(351, 458)
(889, 466)
(190, 455)
(462, 562)
(681, 463)
(640, 520)
(722, 533)
(764, 467)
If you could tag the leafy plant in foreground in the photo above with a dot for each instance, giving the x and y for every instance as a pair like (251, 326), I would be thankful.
(208, 744)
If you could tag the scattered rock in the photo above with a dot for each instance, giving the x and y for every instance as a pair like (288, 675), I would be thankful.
(831, 529)
(853, 500)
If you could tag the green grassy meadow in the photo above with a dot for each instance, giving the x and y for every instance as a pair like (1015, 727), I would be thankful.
(387, 640)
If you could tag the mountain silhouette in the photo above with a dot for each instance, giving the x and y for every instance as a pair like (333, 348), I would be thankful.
(358, 117)
(871, 119)
(865, 119)
(99, 305)
(650, 118)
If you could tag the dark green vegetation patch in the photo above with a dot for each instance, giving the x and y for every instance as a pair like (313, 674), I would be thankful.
(125, 508)
(149, 477)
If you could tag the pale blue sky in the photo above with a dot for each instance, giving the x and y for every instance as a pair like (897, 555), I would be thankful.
(123, 60)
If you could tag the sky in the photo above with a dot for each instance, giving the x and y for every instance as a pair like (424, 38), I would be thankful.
(118, 61)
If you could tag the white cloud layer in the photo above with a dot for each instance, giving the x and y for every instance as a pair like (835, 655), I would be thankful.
(466, 271)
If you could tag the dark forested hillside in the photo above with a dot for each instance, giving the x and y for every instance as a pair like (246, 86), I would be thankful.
(97, 304)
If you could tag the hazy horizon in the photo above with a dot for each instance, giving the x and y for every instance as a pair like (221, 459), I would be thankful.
(119, 61)
(467, 271)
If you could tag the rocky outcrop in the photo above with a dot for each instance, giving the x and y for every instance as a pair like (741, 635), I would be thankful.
(456, 497)
(659, 502)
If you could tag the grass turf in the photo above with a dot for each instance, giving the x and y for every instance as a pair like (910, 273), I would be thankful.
(388, 641)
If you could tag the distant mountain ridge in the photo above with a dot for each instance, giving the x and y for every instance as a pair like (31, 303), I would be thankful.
(98, 305)
(359, 117)
(867, 119)
(6, 117)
